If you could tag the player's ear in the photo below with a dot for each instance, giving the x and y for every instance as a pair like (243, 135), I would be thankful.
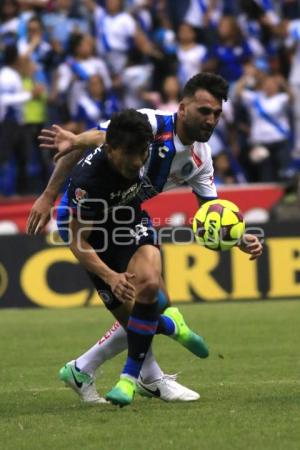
(181, 109)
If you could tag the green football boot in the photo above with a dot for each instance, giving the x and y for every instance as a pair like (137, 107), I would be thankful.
(123, 392)
(185, 336)
(82, 383)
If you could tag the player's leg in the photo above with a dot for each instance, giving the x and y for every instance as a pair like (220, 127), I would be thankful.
(85, 379)
(145, 321)
(171, 323)
(152, 381)
(79, 374)
(114, 341)
(142, 322)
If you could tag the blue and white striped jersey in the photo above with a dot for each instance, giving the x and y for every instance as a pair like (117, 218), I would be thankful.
(172, 163)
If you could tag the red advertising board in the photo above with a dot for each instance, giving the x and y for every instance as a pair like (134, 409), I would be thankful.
(175, 207)
(178, 206)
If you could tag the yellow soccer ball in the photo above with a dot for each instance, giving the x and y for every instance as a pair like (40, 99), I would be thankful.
(218, 225)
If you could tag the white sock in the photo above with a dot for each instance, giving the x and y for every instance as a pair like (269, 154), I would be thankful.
(109, 346)
(150, 369)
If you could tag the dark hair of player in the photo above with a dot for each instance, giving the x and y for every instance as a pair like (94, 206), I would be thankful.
(214, 84)
(129, 130)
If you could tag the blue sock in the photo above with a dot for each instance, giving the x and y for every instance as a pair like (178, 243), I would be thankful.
(163, 301)
(165, 325)
(141, 328)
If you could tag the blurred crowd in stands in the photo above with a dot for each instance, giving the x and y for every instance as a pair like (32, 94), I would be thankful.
(75, 62)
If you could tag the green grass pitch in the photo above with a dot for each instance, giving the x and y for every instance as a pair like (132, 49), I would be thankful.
(250, 384)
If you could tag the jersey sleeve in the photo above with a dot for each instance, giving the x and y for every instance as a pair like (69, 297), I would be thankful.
(203, 182)
(150, 113)
(84, 194)
(102, 126)
(83, 205)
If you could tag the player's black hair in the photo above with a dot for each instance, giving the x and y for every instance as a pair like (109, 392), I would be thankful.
(214, 84)
(129, 130)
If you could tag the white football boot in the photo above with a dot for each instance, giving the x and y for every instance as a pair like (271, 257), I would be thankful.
(81, 382)
(167, 389)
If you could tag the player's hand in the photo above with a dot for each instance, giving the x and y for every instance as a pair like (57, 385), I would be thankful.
(57, 139)
(251, 244)
(40, 214)
(121, 286)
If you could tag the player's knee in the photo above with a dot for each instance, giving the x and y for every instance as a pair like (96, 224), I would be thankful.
(149, 288)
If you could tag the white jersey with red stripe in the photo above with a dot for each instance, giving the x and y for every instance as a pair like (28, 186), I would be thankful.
(172, 163)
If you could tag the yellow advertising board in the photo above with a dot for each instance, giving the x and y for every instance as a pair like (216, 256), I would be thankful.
(49, 276)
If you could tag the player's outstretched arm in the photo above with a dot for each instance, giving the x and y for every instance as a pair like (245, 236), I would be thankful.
(71, 147)
(251, 244)
(65, 142)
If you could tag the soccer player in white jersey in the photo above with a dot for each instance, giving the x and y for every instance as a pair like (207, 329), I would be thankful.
(179, 154)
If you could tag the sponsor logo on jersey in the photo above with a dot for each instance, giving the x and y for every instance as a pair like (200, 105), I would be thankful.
(124, 194)
(124, 197)
(80, 194)
(164, 136)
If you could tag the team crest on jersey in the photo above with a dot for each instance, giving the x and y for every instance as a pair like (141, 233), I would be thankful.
(187, 169)
(80, 194)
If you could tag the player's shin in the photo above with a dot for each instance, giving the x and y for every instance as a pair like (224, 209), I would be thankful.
(110, 345)
(114, 341)
(141, 328)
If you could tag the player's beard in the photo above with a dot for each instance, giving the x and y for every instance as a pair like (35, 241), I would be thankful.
(197, 133)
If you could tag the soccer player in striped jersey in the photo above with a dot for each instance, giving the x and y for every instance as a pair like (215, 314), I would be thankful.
(178, 154)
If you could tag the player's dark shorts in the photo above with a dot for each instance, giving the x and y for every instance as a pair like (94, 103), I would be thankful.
(115, 243)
